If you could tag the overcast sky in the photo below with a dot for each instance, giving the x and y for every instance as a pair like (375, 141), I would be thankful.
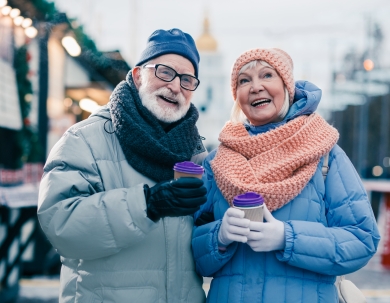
(315, 33)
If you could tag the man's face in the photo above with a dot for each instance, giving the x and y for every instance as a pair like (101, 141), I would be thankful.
(168, 101)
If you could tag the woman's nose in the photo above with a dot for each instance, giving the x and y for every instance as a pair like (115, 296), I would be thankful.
(257, 86)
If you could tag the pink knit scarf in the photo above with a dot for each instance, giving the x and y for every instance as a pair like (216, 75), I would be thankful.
(277, 164)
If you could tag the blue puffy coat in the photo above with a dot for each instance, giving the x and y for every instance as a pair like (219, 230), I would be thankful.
(330, 230)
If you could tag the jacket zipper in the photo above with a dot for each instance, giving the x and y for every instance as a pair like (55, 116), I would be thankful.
(167, 259)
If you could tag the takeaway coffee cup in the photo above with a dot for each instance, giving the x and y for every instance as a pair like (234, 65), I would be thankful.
(252, 204)
(188, 169)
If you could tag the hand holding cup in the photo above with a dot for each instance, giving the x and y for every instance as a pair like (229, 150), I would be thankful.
(234, 227)
(267, 236)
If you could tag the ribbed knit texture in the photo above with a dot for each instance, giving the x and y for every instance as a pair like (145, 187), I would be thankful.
(275, 57)
(277, 164)
(149, 148)
(173, 41)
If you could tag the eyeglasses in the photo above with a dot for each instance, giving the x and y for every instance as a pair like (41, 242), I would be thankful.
(167, 74)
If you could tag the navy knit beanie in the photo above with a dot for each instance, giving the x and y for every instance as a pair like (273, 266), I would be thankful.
(172, 41)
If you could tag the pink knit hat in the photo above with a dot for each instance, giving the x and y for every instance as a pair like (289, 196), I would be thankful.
(275, 57)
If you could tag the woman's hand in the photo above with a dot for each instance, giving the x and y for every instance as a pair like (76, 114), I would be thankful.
(266, 236)
(234, 227)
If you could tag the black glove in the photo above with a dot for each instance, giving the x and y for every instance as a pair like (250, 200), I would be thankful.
(174, 198)
(204, 218)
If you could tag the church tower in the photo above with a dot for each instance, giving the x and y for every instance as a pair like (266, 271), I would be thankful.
(211, 96)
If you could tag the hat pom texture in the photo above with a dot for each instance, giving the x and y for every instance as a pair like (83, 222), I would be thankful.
(275, 57)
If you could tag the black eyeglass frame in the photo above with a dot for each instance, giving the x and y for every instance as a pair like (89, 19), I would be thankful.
(176, 75)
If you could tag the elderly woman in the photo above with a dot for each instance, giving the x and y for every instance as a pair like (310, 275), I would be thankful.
(315, 228)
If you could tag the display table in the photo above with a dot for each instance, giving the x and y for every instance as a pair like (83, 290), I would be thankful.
(18, 227)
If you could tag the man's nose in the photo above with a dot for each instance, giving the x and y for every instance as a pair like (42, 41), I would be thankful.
(174, 85)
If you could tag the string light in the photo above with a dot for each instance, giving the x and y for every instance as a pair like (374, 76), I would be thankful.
(68, 102)
(89, 105)
(14, 13)
(6, 10)
(31, 32)
(76, 110)
(368, 65)
(18, 20)
(27, 22)
(377, 171)
(71, 46)
(386, 161)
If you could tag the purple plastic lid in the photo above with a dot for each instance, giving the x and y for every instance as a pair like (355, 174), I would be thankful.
(249, 199)
(188, 167)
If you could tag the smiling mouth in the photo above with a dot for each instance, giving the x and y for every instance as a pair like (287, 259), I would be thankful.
(168, 100)
(261, 102)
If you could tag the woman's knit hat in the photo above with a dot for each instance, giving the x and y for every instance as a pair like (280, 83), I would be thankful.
(275, 57)
(173, 41)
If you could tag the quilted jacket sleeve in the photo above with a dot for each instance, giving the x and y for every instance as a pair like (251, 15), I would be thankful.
(351, 237)
(80, 219)
(208, 258)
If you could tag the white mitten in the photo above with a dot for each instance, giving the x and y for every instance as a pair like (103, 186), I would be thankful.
(234, 227)
(266, 236)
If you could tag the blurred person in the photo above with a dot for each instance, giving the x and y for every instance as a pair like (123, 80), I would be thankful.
(108, 202)
(315, 228)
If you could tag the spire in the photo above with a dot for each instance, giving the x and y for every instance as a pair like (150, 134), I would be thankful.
(206, 42)
(206, 25)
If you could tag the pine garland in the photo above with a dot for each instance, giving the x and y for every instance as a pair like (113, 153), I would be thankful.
(27, 137)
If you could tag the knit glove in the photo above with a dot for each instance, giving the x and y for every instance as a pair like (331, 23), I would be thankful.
(174, 198)
(234, 227)
(266, 236)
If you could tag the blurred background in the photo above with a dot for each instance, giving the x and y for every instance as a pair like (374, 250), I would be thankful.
(60, 60)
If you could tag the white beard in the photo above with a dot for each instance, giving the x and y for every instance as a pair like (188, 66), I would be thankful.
(163, 113)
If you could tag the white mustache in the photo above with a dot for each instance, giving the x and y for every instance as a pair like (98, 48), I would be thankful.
(167, 93)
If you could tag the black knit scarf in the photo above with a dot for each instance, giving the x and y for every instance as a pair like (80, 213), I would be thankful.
(149, 148)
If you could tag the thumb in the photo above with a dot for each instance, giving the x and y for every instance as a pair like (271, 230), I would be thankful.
(267, 214)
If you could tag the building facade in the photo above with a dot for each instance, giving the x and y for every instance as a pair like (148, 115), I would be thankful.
(212, 96)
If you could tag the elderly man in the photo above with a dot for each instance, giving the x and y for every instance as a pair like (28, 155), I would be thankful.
(108, 202)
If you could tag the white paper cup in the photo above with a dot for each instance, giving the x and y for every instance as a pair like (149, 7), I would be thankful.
(253, 213)
(252, 204)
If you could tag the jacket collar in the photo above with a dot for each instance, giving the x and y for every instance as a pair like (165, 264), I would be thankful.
(103, 112)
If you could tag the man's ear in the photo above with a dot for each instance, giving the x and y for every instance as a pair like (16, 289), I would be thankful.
(136, 73)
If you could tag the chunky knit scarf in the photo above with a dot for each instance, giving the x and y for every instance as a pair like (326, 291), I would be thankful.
(149, 148)
(277, 164)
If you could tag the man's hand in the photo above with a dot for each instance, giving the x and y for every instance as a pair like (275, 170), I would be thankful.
(174, 198)
(266, 236)
(234, 227)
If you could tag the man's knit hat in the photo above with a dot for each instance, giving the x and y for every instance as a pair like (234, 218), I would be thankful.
(275, 57)
(172, 41)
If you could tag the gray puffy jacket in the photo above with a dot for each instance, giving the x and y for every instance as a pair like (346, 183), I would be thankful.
(92, 209)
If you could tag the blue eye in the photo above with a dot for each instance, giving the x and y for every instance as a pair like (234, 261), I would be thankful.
(242, 81)
(268, 75)
(167, 72)
(186, 79)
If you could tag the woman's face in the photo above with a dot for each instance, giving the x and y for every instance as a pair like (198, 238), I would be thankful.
(260, 94)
